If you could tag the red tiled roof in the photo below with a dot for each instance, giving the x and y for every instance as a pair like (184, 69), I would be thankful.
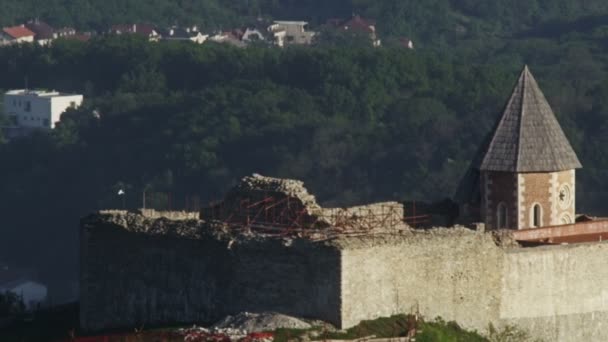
(122, 28)
(359, 23)
(17, 32)
(596, 230)
(144, 29)
(141, 29)
(353, 23)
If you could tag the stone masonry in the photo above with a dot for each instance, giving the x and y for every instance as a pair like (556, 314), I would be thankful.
(145, 271)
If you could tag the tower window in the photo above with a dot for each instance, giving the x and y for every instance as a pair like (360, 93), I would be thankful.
(501, 216)
(537, 212)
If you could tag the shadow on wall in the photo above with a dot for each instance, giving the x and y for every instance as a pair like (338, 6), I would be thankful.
(426, 215)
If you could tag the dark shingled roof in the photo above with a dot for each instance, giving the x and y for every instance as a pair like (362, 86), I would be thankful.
(528, 137)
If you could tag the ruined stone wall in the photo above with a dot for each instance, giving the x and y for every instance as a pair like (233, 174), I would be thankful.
(133, 276)
(556, 293)
(156, 214)
(452, 274)
(559, 293)
(137, 271)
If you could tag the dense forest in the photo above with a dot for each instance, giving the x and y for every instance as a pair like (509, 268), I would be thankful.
(357, 124)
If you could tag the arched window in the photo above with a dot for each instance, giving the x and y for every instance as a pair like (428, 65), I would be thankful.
(536, 216)
(501, 216)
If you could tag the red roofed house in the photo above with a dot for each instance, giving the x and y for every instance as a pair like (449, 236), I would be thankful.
(44, 34)
(406, 43)
(145, 30)
(357, 24)
(16, 34)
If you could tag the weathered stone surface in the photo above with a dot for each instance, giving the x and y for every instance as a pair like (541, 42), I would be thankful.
(454, 274)
(136, 271)
(290, 187)
(139, 272)
(267, 205)
(259, 322)
(556, 293)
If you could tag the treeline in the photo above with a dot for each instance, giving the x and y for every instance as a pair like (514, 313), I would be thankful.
(429, 22)
(357, 125)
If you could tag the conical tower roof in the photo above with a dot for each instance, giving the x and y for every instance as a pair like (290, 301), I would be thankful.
(528, 137)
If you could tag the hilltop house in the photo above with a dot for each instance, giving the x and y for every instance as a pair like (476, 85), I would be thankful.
(406, 43)
(188, 34)
(228, 37)
(356, 24)
(65, 32)
(44, 33)
(291, 32)
(31, 109)
(252, 35)
(145, 30)
(15, 35)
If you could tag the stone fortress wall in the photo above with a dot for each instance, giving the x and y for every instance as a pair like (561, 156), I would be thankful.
(556, 293)
(138, 270)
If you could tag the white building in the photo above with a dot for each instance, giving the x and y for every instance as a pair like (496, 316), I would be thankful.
(38, 109)
(291, 32)
(252, 35)
(32, 294)
(189, 34)
(16, 35)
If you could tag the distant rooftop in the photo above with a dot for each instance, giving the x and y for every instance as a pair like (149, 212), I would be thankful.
(17, 32)
(290, 22)
(38, 93)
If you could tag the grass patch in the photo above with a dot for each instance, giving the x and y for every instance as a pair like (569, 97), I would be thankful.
(440, 331)
(284, 335)
(398, 326)
(54, 325)
(393, 326)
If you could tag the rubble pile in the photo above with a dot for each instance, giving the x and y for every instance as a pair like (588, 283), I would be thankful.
(259, 322)
(200, 334)
(137, 223)
(263, 207)
(289, 187)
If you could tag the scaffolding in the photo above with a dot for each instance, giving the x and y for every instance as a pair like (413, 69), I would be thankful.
(281, 215)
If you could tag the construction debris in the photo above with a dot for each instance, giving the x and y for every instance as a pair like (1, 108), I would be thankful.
(260, 322)
(264, 207)
(200, 334)
(283, 207)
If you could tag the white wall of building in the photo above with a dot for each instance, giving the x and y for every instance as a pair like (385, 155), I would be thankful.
(8, 40)
(38, 109)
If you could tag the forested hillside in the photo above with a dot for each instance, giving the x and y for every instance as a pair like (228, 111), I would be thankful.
(436, 21)
(356, 124)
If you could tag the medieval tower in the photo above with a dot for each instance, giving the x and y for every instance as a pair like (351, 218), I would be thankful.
(527, 174)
